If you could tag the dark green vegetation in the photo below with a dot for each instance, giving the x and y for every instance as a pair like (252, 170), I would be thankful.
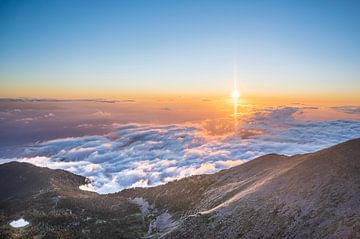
(314, 195)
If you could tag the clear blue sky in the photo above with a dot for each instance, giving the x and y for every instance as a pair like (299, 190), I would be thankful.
(48, 48)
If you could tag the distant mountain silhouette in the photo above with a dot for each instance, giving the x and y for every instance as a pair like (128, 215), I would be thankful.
(315, 195)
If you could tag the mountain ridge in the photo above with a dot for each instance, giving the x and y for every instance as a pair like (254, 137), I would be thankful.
(312, 195)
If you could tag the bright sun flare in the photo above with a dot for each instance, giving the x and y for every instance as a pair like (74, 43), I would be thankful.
(235, 94)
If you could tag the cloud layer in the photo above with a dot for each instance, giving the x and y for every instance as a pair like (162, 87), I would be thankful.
(147, 154)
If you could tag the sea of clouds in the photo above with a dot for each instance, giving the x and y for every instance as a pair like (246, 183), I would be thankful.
(142, 155)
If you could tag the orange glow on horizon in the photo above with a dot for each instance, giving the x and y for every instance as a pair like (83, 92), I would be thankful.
(259, 98)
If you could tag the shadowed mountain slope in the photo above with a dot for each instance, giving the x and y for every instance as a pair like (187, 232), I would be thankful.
(314, 195)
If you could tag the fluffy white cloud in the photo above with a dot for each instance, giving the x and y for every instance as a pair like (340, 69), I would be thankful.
(145, 155)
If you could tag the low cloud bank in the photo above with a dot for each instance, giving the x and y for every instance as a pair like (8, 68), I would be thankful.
(141, 155)
(348, 109)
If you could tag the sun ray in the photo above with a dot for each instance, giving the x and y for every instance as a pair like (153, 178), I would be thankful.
(235, 93)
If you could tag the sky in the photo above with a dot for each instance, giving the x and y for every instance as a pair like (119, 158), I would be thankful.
(114, 49)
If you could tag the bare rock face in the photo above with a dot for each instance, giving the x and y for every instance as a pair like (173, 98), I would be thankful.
(315, 195)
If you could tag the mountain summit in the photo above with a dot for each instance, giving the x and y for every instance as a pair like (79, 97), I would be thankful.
(315, 195)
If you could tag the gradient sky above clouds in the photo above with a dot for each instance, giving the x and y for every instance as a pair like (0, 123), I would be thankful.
(152, 82)
(114, 48)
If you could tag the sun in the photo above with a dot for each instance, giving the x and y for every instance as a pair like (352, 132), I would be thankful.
(235, 94)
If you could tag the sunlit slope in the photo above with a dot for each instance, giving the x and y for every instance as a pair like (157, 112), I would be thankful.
(315, 195)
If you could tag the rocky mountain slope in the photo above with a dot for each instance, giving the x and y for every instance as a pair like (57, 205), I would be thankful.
(314, 195)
